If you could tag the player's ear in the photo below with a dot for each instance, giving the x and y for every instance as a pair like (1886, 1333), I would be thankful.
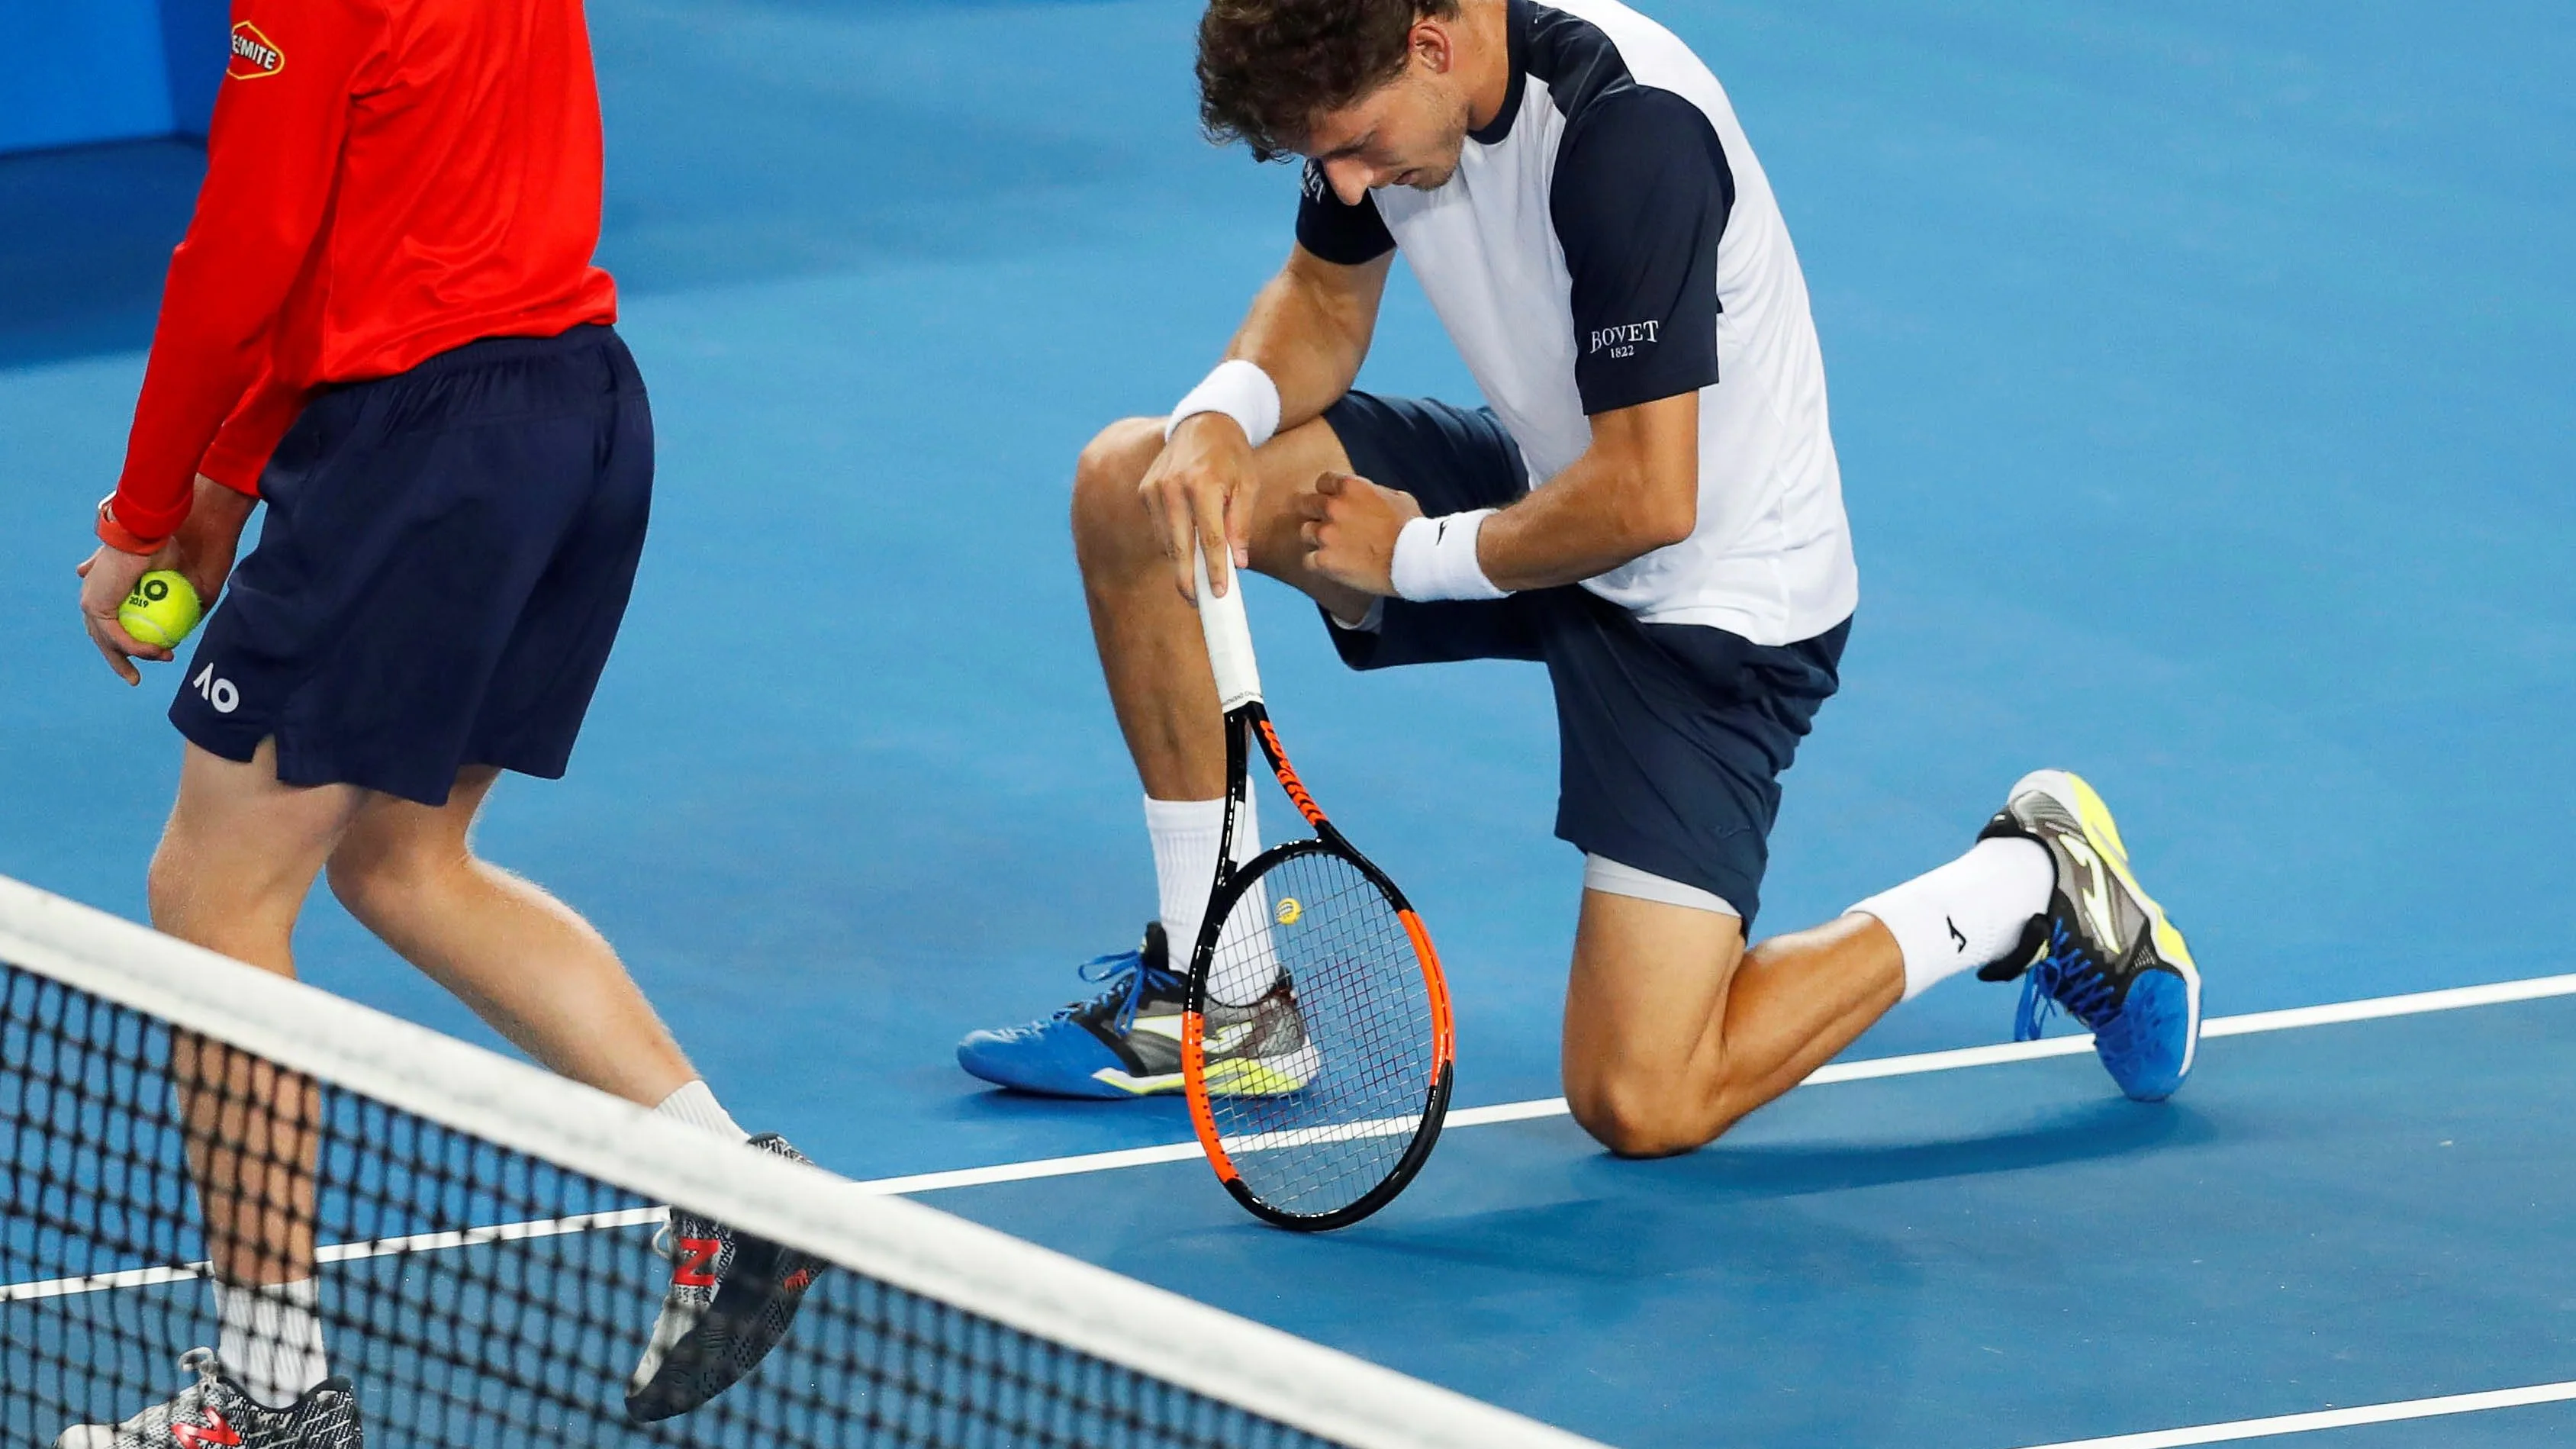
(1430, 41)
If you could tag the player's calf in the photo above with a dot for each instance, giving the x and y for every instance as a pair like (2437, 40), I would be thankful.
(1673, 1034)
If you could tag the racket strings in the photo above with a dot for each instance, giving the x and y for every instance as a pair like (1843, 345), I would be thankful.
(1314, 941)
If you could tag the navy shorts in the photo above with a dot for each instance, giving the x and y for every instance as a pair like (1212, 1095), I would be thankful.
(445, 560)
(1671, 737)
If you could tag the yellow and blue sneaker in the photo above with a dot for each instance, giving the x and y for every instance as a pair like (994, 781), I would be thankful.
(2104, 952)
(1126, 1042)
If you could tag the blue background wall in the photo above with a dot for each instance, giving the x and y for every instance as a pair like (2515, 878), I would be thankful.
(109, 70)
(195, 46)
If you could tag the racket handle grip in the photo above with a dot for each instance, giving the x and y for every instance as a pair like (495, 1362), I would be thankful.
(1229, 638)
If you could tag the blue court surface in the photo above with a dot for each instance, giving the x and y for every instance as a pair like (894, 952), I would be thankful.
(2201, 375)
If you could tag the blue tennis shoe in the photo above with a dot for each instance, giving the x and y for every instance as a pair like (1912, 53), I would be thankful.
(2104, 952)
(1126, 1041)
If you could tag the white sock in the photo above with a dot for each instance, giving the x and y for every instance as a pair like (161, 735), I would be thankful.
(697, 1106)
(270, 1339)
(1184, 833)
(1966, 913)
(1247, 960)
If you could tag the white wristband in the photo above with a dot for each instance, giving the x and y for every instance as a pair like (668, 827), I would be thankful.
(1238, 389)
(1435, 558)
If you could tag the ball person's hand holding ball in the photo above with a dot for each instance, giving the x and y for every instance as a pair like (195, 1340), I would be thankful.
(162, 610)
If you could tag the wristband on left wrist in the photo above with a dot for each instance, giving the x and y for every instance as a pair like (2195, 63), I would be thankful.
(121, 538)
(1435, 558)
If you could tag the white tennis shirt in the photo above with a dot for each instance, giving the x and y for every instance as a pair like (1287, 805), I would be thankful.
(1610, 240)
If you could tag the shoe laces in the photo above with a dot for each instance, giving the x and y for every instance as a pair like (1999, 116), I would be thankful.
(2067, 977)
(157, 1418)
(666, 1236)
(1127, 979)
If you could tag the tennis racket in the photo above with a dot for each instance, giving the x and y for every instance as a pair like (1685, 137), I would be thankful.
(1315, 1039)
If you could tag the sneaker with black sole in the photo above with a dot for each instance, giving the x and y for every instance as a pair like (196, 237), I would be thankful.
(216, 1409)
(2104, 950)
(732, 1297)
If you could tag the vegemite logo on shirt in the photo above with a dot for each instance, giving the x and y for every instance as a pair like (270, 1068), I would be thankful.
(1623, 340)
(254, 54)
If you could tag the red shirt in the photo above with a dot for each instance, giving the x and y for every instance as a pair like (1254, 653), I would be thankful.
(386, 180)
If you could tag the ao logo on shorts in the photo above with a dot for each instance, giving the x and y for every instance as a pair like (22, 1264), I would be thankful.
(217, 692)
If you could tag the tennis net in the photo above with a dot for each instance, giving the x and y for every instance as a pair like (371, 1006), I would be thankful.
(485, 1231)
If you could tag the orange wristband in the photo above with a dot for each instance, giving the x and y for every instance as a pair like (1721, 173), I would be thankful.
(121, 538)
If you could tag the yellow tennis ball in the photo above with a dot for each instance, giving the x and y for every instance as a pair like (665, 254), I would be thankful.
(1289, 910)
(161, 610)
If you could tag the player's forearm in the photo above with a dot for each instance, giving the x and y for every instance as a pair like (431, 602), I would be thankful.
(1587, 520)
(1634, 491)
(1309, 329)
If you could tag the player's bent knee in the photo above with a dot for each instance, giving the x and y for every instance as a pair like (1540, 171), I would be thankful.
(1105, 476)
(1642, 1115)
(1118, 455)
(356, 884)
(374, 882)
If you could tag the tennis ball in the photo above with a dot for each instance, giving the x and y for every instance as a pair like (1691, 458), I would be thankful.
(161, 610)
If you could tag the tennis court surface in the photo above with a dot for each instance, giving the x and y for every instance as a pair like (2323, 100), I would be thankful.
(2200, 381)
(1965, 1217)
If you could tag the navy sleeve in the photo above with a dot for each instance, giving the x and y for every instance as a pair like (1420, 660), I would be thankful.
(1640, 198)
(1348, 235)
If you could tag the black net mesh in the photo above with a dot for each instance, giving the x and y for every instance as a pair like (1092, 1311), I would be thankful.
(471, 1294)
(1316, 980)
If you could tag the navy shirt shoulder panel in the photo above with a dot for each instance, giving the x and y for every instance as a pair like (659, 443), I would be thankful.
(1346, 235)
(1640, 200)
(1576, 58)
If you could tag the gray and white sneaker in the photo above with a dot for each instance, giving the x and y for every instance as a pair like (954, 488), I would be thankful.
(217, 1410)
(732, 1297)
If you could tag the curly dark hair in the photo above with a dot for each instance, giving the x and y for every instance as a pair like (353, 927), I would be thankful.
(1268, 67)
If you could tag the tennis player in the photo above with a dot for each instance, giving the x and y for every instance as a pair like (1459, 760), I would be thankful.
(1649, 505)
(384, 322)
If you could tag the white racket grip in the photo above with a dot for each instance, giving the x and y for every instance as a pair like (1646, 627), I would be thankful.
(1229, 638)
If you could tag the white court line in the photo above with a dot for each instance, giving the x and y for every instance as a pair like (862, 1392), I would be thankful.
(2330, 1419)
(2369, 1009)
(343, 1252)
(2252, 1023)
